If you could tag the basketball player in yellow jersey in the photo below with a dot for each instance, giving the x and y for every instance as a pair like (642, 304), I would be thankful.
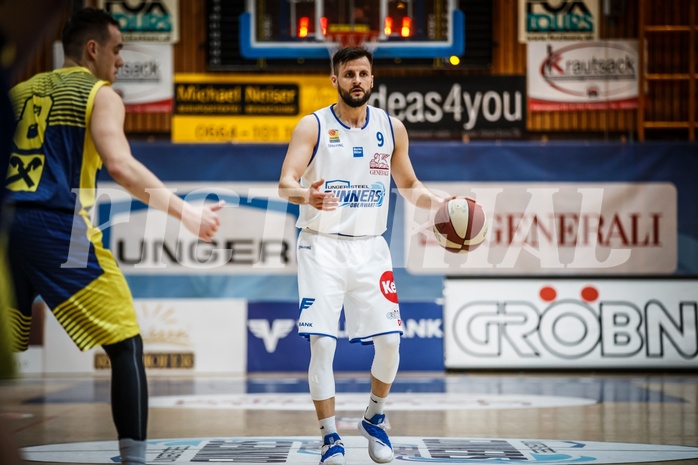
(69, 125)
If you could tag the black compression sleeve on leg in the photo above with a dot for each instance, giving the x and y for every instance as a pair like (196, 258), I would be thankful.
(129, 388)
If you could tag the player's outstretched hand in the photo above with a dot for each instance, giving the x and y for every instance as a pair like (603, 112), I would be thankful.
(202, 220)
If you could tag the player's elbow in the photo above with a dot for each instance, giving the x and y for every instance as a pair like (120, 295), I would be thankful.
(286, 188)
(120, 170)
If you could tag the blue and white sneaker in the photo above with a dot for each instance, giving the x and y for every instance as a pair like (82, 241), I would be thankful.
(332, 450)
(379, 448)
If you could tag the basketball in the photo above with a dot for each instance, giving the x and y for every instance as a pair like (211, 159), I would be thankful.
(460, 225)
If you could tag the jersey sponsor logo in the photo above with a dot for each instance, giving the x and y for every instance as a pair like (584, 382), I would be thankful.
(24, 172)
(387, 286)
(306, 302)
(302, 450)
(358, 152)
(334, 138)
(358, 195)
(379, 165)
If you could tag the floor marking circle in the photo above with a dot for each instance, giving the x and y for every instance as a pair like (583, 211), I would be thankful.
(306, 451)
(353, 401)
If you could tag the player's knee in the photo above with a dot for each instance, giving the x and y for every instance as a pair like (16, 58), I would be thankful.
(320, 374)
(129, 349)
(387, 344)
(387, 357)
(322, 348)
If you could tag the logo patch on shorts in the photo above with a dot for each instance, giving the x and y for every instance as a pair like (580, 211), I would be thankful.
(306, 302)
(387, 286)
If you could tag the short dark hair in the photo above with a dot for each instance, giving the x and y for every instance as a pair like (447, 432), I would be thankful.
(84, 25)
(350, 54)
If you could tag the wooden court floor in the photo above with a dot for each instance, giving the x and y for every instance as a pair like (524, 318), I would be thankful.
(636, 417)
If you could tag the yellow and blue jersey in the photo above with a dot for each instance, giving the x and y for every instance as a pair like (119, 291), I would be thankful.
(54, 162)
(54, 249)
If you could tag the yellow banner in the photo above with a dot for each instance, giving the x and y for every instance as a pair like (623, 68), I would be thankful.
(244, 109)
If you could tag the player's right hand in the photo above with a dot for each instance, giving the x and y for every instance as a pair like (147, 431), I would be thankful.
(321, 200)
(202, 220)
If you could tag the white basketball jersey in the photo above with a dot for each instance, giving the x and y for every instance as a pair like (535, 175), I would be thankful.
(355, 164)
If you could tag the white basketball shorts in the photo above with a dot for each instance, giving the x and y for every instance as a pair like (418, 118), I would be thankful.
(357, 273)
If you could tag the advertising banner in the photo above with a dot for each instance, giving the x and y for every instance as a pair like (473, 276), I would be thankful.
(554, 20)
(214, 108)
(179, 335)
(257, 234)
(145, 80)
(273, 343)
(630, 207)
(562, 228)
(519, 324)
(455, 108)
(567, 76)
(145, 20)
(259, 109)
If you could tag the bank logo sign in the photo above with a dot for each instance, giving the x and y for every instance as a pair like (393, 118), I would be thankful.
(560, 323)
(306, 450)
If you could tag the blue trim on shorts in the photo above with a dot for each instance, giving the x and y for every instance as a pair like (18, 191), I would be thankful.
(367, 343)
(307, 335)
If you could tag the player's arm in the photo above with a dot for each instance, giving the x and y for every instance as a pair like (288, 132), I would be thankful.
(403, 173)
(106, 126)
(298, 155)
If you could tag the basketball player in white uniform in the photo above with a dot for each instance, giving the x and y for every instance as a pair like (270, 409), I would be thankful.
(338, 168)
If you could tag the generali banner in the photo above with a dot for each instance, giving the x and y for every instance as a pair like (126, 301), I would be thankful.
(568, 76)
(555, 229)
(594, 323)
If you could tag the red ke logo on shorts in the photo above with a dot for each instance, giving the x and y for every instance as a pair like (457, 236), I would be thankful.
(387, 284)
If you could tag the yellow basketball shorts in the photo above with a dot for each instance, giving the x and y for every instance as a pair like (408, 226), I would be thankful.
(59, 256)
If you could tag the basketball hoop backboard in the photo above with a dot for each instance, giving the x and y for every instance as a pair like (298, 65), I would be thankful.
(310, 29)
